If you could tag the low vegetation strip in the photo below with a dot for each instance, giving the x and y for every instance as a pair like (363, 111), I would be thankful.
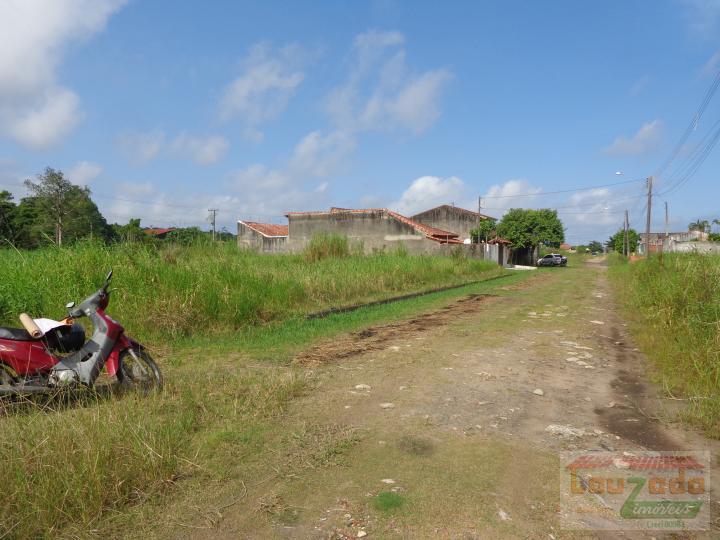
(674, 302)
(346, 309)
(173, 291)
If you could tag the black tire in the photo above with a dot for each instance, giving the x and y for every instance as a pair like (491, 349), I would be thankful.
(139, 374)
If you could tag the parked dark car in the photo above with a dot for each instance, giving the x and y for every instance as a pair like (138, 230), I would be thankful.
(552, 259)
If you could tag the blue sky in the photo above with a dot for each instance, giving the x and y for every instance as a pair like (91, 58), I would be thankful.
(165, 109)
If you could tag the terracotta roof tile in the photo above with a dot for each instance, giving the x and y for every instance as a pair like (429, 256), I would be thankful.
(457, 209)
(267, 229)
(427, 230)
(158, 232)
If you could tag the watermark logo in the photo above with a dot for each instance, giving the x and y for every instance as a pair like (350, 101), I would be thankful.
(635, 490)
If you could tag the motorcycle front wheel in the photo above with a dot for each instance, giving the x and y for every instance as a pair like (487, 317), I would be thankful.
(138, 371)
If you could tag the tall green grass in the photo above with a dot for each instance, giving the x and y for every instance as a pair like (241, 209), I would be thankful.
(69, 470)
(65, 471)
(169, 292)
(323, 246)
(675, 304)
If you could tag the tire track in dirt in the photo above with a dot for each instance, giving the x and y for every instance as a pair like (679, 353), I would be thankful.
(377, 337)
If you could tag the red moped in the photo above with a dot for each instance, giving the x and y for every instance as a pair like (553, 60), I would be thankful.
(37, 362)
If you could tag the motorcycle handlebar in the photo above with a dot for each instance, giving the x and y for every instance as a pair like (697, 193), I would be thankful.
(96, 300)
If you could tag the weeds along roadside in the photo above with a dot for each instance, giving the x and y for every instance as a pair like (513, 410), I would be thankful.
(673, 304)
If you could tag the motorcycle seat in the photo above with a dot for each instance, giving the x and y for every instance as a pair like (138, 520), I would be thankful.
(15, 334)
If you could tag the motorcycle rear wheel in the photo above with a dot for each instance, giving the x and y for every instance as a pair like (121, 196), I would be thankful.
(139, 372)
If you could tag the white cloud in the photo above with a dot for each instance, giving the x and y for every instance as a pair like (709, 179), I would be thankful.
(639, 85)
(34, 109)
(318, 155)
(268, 81)
(381, 93)
(712, 66)
(260, 177)
(202, 150)
(501, 197)
(44, 123)
(142, 147)
(83, 172)
(429, 191)
(703, 17)
(645, 140)
(416, 105)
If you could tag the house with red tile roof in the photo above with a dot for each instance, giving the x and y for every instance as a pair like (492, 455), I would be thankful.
(158, 233)
(375, 229)
(372, 230)
(265, 237)
(452, 218)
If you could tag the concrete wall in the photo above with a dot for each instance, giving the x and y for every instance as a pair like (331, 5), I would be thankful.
(374, 230)
(248, 238)
(450, 219)
(689, 247)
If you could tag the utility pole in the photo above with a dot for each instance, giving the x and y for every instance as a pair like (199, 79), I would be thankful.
(649, 215)
(479, 219)
(666, 220)
(626, 244)
(213, 211)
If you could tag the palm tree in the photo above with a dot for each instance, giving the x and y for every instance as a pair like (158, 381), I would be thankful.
(716, 222)
(702, 225)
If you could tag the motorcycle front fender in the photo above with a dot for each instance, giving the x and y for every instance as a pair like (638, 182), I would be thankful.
(113, 361)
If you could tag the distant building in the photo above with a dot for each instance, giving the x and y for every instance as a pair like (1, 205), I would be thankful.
(374, 228)
(266, 237)
(667, 242)
(159, 233)
(439, 231)
(451, 218)
(566, 247)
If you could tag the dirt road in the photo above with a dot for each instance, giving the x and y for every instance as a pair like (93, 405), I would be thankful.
(457, 417)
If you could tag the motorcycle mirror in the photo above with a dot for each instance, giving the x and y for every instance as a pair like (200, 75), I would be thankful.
(70, 305)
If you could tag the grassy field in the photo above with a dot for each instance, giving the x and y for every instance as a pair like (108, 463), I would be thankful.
(674, 304)
(171, 292)
(225, 325)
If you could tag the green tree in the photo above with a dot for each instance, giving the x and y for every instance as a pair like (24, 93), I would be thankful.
(7, 214)
(63, 211)
(187, 236)
(486, 231)
(702, 225)
(595, 246)
(617, 240)
(529, 228)
(26, 224)
(130, 232)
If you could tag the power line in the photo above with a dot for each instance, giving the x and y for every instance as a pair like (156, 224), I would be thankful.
(692, 126)
(542, 193)
(700, 153)
(696, 159)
